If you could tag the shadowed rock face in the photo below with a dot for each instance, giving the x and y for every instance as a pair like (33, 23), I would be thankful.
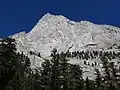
(56, 31)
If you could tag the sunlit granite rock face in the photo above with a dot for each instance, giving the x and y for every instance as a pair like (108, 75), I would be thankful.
(56, 31)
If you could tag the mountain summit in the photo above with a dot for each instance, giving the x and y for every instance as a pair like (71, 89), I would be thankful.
(56, 31)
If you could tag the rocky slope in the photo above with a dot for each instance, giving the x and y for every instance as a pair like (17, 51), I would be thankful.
(56, 31)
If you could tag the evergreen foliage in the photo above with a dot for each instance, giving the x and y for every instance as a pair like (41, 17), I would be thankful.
(56, 73)
(13, 67)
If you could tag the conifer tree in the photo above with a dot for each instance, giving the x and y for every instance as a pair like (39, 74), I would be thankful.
(89, 84)
(39, 55)
(45, 75)
(85, 63)
(114, 75)
(8, 61)
(55, 85)
(13, 75)
(98, 80)
(64, 71)
(76, 81)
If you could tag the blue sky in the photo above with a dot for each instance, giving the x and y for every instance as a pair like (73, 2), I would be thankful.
(22, 15)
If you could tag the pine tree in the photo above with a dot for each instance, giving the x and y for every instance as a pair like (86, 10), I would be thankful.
(92, 65)
(19, 80)
(31, 53)
(39, 55)
(13, 76)
(98, 80)
(114, 75)
(55, 85)
(107, 72)
(45, 75)
(89, 84)
(36, 83)
(8, 61)
(64, 71)
(76, 81)
(85, 63)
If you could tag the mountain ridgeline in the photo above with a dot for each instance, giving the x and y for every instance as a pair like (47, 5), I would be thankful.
(56, 31)
(60, 54)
